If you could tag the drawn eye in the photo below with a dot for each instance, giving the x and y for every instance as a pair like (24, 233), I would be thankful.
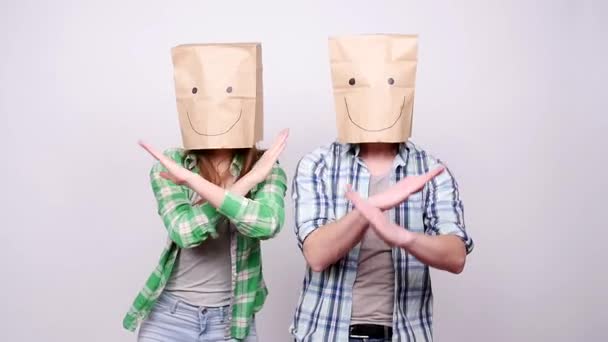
(194, 90)
(229, 89)
(351, 81)
(391, 81)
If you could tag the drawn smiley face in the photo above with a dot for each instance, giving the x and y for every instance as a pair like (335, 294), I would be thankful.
(213, 127)
(373, 80)
(216, 88)
(377, 125)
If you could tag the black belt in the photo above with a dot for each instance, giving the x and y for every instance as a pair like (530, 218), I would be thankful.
(371, 331)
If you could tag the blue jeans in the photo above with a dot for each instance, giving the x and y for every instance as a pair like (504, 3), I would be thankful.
(173, 320)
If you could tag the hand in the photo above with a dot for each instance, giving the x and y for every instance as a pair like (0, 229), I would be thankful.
(391, 233)
(264, 165)
(399, 192)
(175, 173)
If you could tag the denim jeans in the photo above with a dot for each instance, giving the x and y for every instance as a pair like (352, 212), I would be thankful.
(173, 320)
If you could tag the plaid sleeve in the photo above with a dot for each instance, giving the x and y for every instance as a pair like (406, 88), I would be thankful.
(311, 196)
(188, 226)
(444, 212)
(263, 215)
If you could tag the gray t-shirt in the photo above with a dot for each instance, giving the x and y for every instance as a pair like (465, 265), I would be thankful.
(202, 275)
(373, 291)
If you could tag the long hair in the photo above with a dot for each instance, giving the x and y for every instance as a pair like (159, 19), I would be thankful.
(249, 157)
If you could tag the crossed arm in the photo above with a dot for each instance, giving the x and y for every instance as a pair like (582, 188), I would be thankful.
(325, 240)
(189, 225)
(444, 252)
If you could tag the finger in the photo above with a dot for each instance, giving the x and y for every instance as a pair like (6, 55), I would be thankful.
(281, 149)
(284, 133)
(360, 203)
(280, 138)
(274, 154)
(148, 148)
(371, 213)
(167, 162)
(367, 208)
(169, 177)
(270, 151)
(352, 195)
(268, 158)
(435, 172)
(278, 148)
(154, 152)
(416, 183)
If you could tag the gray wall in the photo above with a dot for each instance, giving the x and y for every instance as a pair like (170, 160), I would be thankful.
(509, 95)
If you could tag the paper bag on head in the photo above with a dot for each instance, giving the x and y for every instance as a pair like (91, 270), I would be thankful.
(373, 78)
(219, 94)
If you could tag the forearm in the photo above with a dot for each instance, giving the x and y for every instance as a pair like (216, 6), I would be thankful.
(215, 194)
(189, 225)
(444, 252)
(261, 216)
(332, 242)
(243, 186)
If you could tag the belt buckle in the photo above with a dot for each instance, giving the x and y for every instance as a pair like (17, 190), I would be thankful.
(350, 334)
(358, 336)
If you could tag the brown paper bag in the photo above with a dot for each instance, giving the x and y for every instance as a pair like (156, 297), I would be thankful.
(219, 94)
(373, 78)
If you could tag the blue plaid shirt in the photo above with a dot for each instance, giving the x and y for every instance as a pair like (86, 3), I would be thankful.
(324, 309)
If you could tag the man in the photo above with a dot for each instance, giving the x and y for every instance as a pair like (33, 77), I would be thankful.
(370, 282)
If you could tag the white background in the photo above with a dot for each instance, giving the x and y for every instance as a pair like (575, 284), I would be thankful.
(509, 94)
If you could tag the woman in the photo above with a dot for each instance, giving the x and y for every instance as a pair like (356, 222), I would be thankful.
(216, 205)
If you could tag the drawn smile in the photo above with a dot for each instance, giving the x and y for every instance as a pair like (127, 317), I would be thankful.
(218, 133)
(374, 130)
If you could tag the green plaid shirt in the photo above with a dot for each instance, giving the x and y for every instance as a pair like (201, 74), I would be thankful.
(258, 217)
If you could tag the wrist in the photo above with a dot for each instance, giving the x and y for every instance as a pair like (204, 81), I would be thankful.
(248, 182)
(375, 201)
(408, 239)
(189, 180)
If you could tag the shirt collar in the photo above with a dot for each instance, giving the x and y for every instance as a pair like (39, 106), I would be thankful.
(235, 166)
(400, 159)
